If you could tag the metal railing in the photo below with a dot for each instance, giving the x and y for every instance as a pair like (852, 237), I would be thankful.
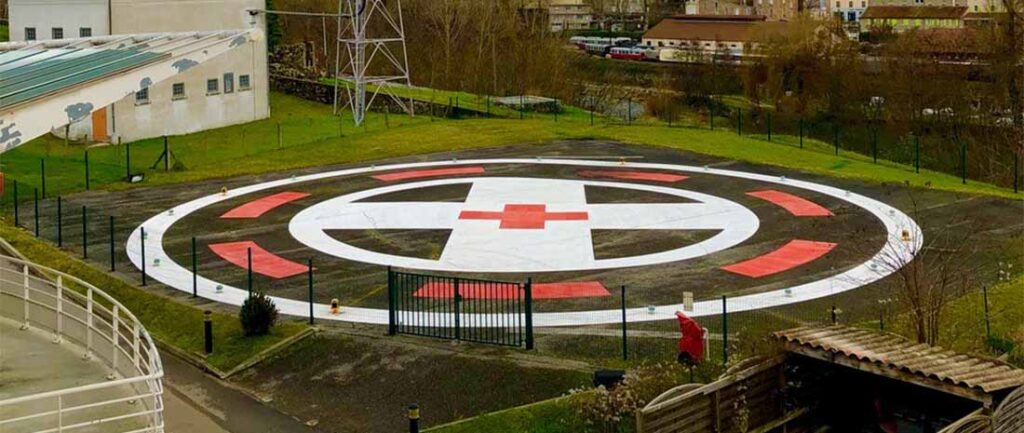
(75, 312)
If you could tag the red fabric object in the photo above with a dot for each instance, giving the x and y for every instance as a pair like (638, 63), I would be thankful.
(692, 340)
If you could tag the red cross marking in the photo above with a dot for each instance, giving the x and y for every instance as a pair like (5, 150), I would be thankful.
(523, 216)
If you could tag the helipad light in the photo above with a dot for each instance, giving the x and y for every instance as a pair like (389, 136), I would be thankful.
(651, 309)
(219, 289)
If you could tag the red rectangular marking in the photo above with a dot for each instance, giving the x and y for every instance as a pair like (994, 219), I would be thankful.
(438, 172)
(476, 290)
(797, 206)
(258, 207)
(796, 253)
(635, 175)
(263, 261)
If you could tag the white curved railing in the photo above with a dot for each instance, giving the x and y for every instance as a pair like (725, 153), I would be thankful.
(73, 311)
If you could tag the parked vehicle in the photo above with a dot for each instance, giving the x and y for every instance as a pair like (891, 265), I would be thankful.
(597, 49)
(626, 53)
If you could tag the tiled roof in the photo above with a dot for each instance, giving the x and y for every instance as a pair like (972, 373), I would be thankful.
(711, 30)
(897, 353)
(914, 12)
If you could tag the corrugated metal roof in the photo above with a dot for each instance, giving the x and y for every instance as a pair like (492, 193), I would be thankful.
(32, 73)
(897, 353)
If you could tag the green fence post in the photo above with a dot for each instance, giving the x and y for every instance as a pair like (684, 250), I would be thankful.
(87, 182)
(835, 136)
(60, 222)
(625, 344)
(457, 295)
(874, 144)
(248, 280)
(488, 106)
(529, 314)
(35, 192)
(112, 256)
(128, 162)
(17, 218)
(801, 132)
(739, 121)
(881, 321)
(392, 320)
(711, 114)
(769, 127)
(725, 331)
(917, 154)
(42, 176)
(280, 136)
(1016, 178)
(142, 241)
(85, 232)
(310, 270)
(195, 266)
(988, 325)
(963, 164)
(167, 155)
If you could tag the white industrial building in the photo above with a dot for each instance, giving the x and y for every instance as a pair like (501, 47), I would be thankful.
(231, 88)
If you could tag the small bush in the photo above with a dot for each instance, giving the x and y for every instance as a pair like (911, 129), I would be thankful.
(605, 410)
(258, 315)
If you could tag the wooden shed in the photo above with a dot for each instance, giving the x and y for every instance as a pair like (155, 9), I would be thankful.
(848, 379)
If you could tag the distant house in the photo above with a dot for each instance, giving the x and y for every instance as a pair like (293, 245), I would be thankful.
(701, 35)
(569, 15)
(903, 18)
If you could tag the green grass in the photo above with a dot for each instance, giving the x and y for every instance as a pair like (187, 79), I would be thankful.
(963, 321)
(548, 416)
(166, 320)
(311, 138)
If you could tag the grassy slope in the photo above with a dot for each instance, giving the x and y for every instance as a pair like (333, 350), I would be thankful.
(549, 416)
(310, 138)
(168, 321)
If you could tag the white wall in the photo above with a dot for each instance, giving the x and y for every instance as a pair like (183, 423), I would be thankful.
(197, 111)
(71, 15)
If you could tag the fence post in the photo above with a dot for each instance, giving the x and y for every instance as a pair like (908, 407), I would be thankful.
(60, 222)
(35, 192)
(392, 308)
(280, 137)
(963, 164)
(488, 106)
(248, 280)
(167, 155)
(917, 154)
(1016, 177)
(127, 161)
(801, 132)
(208, 331)
(87, 180)
(625, 344)
(42, 175)
(142, 240)
(711, 113)
(881, 321)
(522, 106)
(874, 144)
(458, 311)
(988, 325)
(592, 107)
(739, 121)
(769, 126)
(195, 265)
(414, 418)
(725, 331)
(310, 264)
(112, 257)
(85, 232)
(835, 136)
(529, 314)
(17, 218)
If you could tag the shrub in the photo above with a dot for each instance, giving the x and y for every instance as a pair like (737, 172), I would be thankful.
(605, 410)
(258, 315)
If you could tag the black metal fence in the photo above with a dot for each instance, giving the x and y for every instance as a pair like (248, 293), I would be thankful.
(489, 312)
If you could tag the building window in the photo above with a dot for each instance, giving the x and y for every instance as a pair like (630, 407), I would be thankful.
(142, 97)
(57, 33)
(212, 86)
(229, 83)
(85, 32)
(863, 4)
(30, 33)
(838, 5)
(243, 82)
(178, 91)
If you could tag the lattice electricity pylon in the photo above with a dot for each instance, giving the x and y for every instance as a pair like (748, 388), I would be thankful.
(377, 59)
